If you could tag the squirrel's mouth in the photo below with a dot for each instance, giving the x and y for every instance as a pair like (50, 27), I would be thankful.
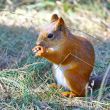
(38, 50)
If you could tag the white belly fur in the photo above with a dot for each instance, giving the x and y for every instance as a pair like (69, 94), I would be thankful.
(59, 75)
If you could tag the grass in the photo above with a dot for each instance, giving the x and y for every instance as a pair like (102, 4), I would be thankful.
(24, 79)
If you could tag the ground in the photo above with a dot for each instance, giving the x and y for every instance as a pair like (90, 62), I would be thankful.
(24, 79)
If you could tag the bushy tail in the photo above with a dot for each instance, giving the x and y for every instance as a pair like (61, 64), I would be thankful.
(101, 80)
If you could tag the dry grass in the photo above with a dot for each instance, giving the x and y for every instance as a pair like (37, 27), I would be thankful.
(24, 79)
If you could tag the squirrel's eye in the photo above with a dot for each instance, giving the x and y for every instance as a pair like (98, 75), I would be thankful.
(50, 36)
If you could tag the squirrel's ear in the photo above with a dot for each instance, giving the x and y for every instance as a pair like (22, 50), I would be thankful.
(60, 24)
(54, 18)
(61, 21)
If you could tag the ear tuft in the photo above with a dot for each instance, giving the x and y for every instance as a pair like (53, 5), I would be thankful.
(54, 18)
(60, 24)
(61, 21)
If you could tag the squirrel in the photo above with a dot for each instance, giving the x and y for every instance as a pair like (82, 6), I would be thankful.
(72, 56)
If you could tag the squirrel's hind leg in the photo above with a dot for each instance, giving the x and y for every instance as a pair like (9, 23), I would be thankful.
(68, 94)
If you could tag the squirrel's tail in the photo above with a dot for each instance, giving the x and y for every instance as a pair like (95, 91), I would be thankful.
(103, 79)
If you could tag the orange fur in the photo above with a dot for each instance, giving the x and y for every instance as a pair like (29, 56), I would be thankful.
(74, 54)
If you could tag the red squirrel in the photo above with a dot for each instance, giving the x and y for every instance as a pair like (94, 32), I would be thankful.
(72, 56)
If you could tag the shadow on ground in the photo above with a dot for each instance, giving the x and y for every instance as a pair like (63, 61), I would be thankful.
(15, 46)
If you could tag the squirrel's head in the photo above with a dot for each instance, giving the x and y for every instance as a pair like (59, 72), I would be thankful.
(51, 40)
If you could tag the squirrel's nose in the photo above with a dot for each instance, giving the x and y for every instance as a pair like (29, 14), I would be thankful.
(39, 43)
